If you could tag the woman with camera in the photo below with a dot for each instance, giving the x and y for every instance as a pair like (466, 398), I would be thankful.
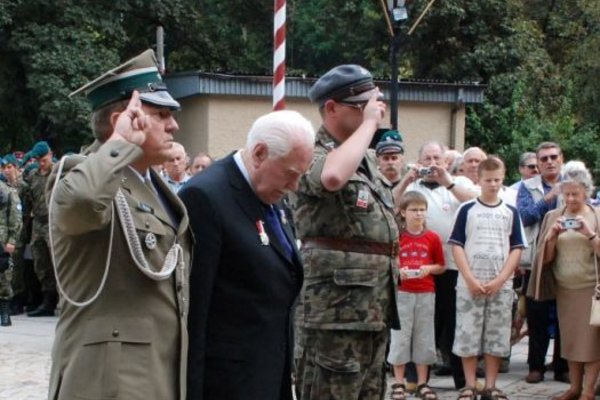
(565, 268)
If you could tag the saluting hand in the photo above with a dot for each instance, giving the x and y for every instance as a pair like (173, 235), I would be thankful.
(375, 108)
(131, 122)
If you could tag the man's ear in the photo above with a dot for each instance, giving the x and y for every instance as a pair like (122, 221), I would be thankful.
(113, 118)
(329, 106)
(259, 154)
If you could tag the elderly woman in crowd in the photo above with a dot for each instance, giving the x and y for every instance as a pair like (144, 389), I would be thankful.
(567, 256)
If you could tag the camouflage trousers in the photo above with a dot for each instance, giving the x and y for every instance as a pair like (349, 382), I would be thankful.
(343, 365)
(6, 292)
(42, 264)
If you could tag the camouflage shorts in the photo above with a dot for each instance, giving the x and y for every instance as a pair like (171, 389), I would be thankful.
(483, 324)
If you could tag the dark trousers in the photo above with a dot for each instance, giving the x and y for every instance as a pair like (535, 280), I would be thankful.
(538, 321)
(445, 322)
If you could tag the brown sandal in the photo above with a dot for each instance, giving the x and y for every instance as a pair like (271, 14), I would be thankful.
(493, 394)
(424, 392)
(467, 393)
(398, 391)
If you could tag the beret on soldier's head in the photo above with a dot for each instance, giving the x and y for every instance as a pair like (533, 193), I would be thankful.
(40, 149)
(10, 159)
(26, 158)
(140, 73)
(348, 82)
(389, 143)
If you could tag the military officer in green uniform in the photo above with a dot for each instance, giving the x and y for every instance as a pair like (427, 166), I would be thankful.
(40, 244)
(10, 225)
(121, 243)
(344, 216)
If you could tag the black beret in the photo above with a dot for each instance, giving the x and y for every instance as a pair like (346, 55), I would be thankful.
(348, 82)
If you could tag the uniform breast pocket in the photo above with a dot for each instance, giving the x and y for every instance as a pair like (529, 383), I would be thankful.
(153, 236)
(357, 196)
(112, 361)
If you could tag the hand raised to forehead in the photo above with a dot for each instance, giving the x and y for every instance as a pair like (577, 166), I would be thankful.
(132, 121)
(375, 108)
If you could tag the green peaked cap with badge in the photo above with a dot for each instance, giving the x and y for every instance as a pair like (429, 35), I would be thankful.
(390, 142)
(140, 73)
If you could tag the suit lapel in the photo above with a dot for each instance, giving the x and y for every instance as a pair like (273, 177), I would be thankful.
(252, 206)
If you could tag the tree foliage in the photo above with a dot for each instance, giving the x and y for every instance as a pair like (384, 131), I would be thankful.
(540, 59)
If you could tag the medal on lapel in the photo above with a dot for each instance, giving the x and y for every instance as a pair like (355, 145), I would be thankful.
(262, 235)
(150, 241)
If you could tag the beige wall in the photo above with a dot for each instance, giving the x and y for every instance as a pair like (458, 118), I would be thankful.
(219, 124)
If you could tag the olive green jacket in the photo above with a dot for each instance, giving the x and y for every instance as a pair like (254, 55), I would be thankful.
(131, 342)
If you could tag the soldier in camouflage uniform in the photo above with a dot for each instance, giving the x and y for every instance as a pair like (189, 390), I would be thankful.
(40, 242)
(344, 215)
(17, 185)
(10, 225)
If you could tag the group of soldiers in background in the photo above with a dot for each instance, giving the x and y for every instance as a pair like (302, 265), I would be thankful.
(28, 283)
(27, 279)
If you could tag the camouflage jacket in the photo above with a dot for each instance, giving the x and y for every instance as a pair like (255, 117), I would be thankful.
(346, 290)
(10, 215)
(36, 191)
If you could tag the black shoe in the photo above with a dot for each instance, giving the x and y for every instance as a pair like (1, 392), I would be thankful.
(562, 377)
(5, 313)
(41, 312)
(16, 305)
(534, 377)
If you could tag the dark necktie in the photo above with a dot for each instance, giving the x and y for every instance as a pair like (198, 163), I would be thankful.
(164, 201)
(274, 222)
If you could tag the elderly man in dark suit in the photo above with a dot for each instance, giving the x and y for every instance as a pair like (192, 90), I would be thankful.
(246, 271)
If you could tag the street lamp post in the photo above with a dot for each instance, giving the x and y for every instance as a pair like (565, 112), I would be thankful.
(397, 14)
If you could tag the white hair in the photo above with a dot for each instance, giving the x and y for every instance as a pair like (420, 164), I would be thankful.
(280, 131)
(576, 172)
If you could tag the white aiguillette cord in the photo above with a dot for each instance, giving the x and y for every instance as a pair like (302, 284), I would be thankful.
(173, 258)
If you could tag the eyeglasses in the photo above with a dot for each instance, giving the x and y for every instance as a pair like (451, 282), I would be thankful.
(552, 157)
(531, 166)
(416, 210)
(359, 105)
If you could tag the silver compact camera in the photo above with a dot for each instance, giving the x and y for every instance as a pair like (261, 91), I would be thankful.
(425, 171)
(412, 273)
(570, 223)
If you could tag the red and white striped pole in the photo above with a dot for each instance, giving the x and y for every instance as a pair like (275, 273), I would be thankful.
(279, 56)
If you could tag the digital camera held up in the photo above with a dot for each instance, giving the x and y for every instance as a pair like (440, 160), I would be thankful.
(570, 223)
(424, 171)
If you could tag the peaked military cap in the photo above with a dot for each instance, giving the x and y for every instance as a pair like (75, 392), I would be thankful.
(348, 82)
(390, 142)
(140, 73)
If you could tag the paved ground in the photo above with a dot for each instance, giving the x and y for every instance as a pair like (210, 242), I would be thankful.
(25, 366)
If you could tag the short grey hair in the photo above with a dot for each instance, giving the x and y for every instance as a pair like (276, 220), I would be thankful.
(100, 121)
(576, 172)
(280, 131)
(434, 143)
